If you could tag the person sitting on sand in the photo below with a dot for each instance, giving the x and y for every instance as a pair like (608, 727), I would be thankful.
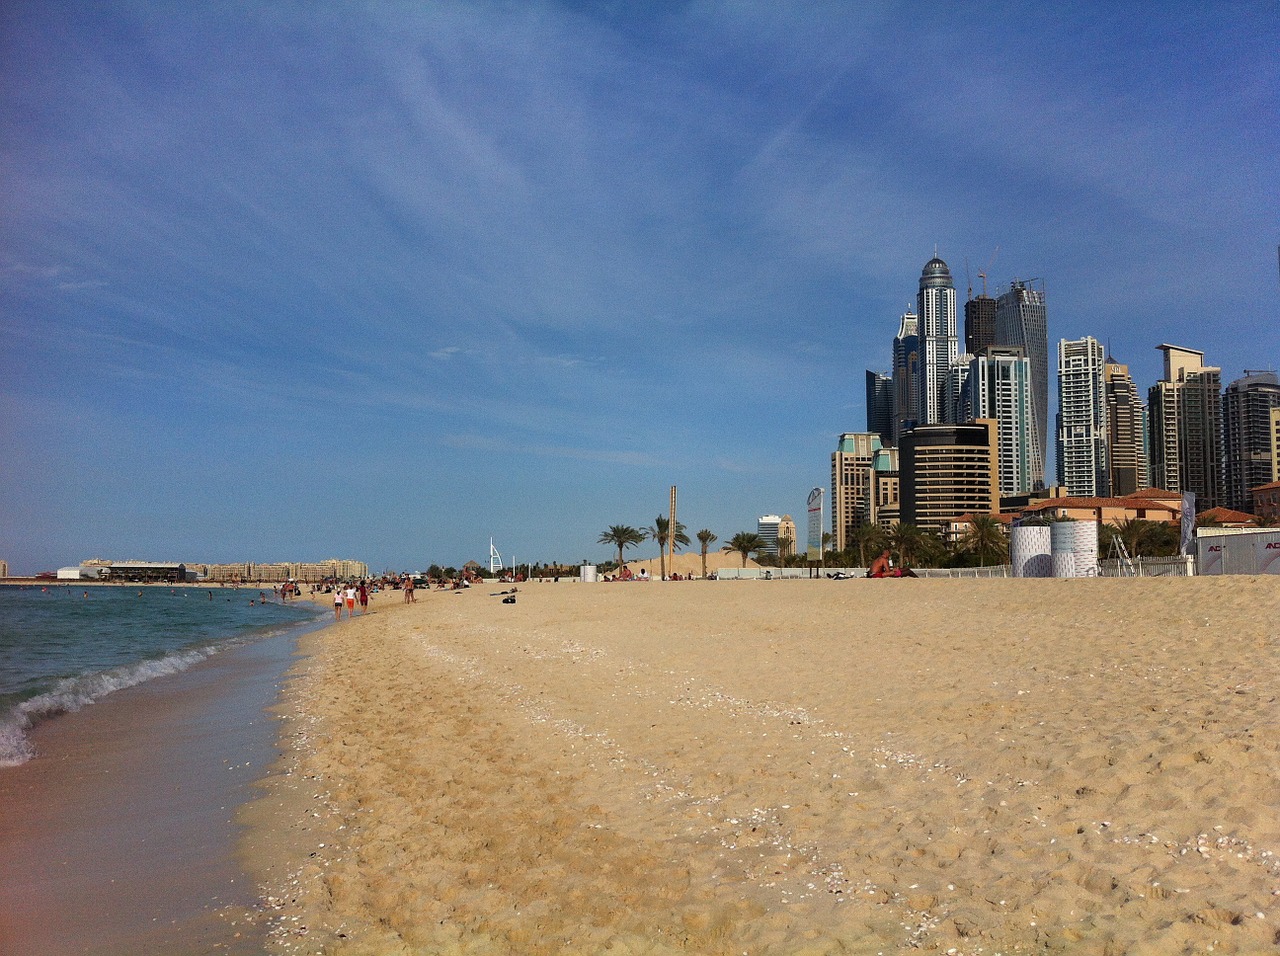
(880, 567)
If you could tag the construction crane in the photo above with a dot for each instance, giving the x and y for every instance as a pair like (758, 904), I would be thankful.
(983, 275)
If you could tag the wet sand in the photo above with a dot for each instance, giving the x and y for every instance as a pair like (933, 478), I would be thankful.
(118, 839)
(965, 767)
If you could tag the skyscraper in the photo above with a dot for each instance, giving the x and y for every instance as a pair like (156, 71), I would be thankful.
(906, 371)
(999, 387)
(954, 410)
(1186, 426)
(979, 323)
(1021, 321)
(880, 405)
(936, 328)
(1247, 451)
(1083, 461)
(1126, 432)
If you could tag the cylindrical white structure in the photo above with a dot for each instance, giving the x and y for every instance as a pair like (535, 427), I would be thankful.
(588, 574)
(1030, 547)
(1079, 540)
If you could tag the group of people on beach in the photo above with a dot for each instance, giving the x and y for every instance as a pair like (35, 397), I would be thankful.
(355, 592)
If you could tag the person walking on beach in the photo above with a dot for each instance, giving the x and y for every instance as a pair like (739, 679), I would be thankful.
(337, 602)
(408, 590)
(364, 597)
(351, 600)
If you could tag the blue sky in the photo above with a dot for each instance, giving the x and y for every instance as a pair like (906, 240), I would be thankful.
(292, 281)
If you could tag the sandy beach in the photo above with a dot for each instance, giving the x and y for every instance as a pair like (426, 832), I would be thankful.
(964, 767)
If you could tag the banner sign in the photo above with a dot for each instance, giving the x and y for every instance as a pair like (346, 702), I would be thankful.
(1188, 522)
(815, 525)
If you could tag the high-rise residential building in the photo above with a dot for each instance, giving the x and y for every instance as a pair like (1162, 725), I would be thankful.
(767, 528)
(948, 471)
(999, 387)
(906, 373)
(4, 569)
(880, 405)
(1248, 452)
(979, 323)
(936, 328)
(1083, 462)
(1126, 432)
(1185, 426)
(1021, 321)
(954, 411)
(864, 480)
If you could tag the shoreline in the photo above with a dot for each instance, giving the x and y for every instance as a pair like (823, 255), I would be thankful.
(967, 766)
(120, 835)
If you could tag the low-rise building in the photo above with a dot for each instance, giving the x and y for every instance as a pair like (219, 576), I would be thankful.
(1149, 504)
(1266, 501)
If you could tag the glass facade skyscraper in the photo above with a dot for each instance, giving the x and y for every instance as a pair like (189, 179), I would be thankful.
(906, 370)
(999, 387)
(1021, 321)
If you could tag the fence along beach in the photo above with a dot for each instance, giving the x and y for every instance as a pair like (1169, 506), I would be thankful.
(1080, 766)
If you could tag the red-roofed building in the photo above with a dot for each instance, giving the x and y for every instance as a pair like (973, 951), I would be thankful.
(1266, 501)
(1226, 518)
(1149, 504)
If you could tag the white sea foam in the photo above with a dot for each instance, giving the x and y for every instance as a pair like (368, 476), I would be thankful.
(72, 693)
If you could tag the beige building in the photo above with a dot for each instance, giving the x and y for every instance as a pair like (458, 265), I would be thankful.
(1127, 456)
(1275, 443)
(308, 572)
(1149, 504)
(1266, 501)
(1186, 426)
(948, 471)
(786, 536)
(4, 569)
(864, 484)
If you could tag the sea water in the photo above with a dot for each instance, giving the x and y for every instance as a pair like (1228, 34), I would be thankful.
(63, 647)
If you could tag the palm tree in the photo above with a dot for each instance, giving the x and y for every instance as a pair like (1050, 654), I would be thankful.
(744, 544)
(986, 539)
(705, 538)
(870, 539)
(659, 531)
(907, 540)
(622, 536)
(786, 547)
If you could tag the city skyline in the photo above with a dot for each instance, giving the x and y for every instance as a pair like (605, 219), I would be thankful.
(390, 282)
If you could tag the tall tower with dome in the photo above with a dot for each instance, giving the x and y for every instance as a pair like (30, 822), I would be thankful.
(939, 345)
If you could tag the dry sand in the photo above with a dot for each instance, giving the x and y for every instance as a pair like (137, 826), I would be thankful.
(992, 766)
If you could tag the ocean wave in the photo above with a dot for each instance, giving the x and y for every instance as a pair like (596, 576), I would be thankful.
(72, 693)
